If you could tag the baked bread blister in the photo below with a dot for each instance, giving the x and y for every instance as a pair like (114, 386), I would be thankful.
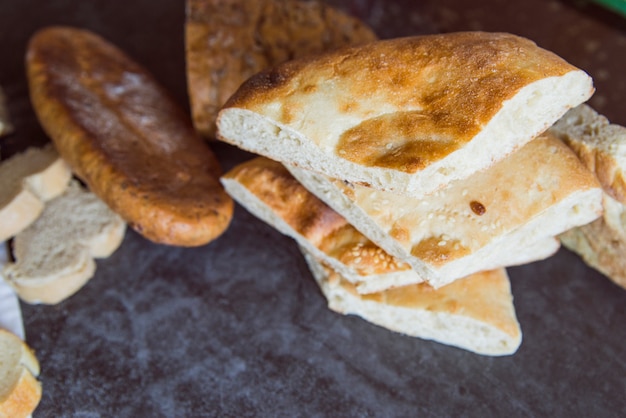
(227, 41)
(54, 256)
(20, 391)
(126, 138)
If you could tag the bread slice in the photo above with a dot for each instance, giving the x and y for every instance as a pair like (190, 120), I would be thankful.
(227, 41)
(266, 189)
(27, 181)
(54, 257)
(408, 115)
(602, 243)
(20, 391)
(475, 313)
(5, 123)
(126, 138)
(599, 144)
(475, 224)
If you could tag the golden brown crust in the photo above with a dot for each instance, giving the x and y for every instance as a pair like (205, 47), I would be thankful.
(313, 219)
(126, 138)
(228, 41)
(436, 93)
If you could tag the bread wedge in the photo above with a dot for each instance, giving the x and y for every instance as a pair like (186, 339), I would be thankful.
(475, 224)
(54, 257)
(408, 115)
(20, 391)
(126, 138)
(268, 191)
(227, 41)
(475, 313)
(602, 243)
(599, 144)
(27, 181)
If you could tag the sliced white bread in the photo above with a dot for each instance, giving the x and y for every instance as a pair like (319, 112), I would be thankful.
(476, 224)
(267, 190)
(599, 144)
(475, 313)
(20, 391)
(27, 181)
(408, 115)
(54, 256)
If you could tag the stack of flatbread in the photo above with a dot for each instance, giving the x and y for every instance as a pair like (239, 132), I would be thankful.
(413, 171)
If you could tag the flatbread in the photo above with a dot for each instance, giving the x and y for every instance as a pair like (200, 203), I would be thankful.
(227, 41)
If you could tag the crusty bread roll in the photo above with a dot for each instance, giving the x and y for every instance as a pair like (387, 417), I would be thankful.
(408, 115)
(475, 313)
(475, 224)
(126, 138)
(27, 181)
(5, 123)
(599, 144)
(227, 41)
(20, 391)
(54, 256)
(270, 192)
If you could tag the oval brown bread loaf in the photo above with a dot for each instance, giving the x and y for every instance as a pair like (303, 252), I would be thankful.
(126, 138)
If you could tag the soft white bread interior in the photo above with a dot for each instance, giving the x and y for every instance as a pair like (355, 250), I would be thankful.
(5, 123)
(408, 115)
(20, 391)
(54, 255)
(476, 224)
(475, 313)
(27, 181)
(600, 145)
(602, 243)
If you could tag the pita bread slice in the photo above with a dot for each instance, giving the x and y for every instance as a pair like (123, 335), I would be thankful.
(408, 115)
(475, 224)
(268, 191)
(602, 243)
(228, 41)
(475, 313)
(599, 144)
